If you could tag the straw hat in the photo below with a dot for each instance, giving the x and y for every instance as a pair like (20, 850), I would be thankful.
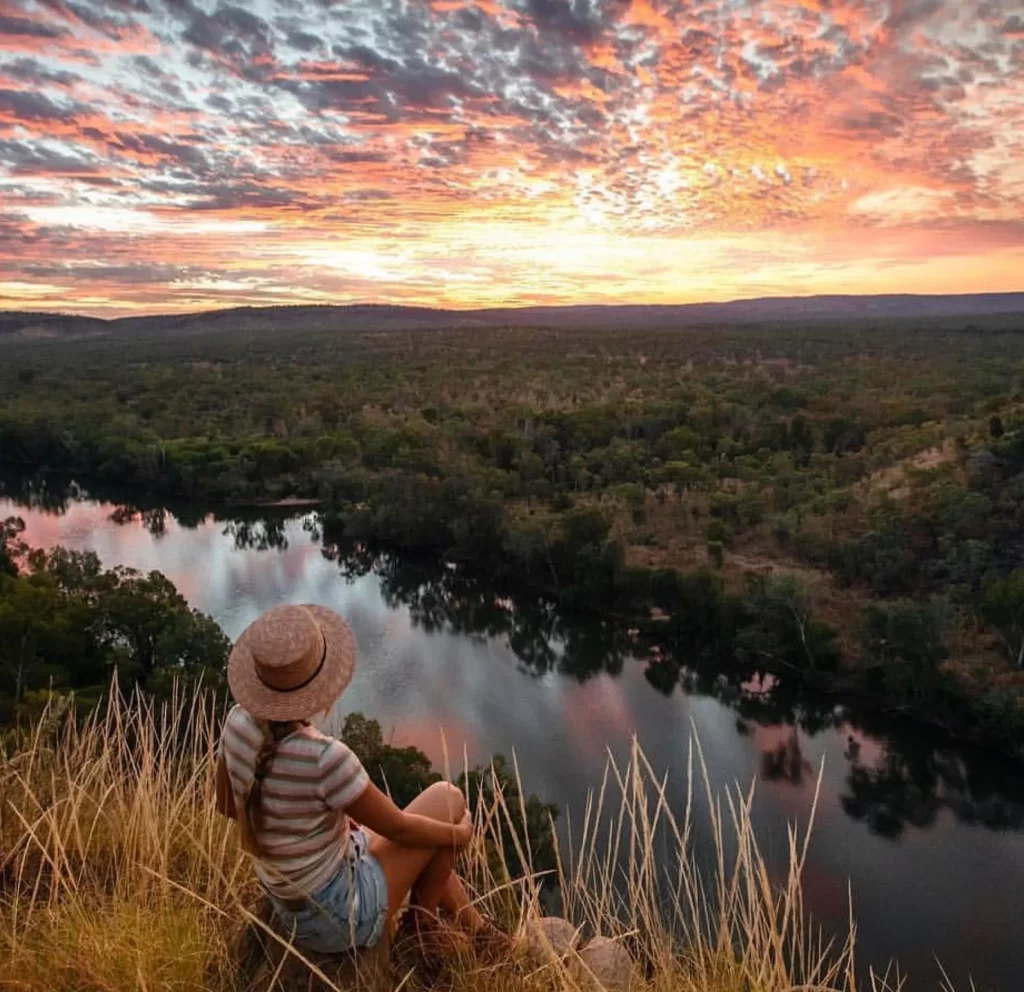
(292, 662)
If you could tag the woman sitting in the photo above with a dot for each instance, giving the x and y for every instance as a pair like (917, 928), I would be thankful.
(335, 855)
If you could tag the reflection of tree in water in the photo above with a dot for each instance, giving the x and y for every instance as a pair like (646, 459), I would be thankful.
(441, 597)
(785, 762)
(262, 534)
(257, 529)
(754, 696)
(53, 494)
(917, 778)
(260, 531)
(153, 519)
(40, 494)
(256, 533)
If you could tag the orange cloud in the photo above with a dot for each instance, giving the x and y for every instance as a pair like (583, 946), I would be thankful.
(518, 151)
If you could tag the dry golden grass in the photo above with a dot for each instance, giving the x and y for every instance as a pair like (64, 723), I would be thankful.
(116, 873)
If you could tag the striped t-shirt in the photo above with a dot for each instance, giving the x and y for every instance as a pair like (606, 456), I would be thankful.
(303, 833)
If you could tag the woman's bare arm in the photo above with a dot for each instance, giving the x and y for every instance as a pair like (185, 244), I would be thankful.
(375, 810)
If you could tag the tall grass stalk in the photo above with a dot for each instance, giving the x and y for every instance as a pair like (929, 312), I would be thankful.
(117, 873)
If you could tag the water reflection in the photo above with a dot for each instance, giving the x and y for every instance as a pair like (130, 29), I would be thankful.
(154, 520)
(40, 494)
(246, 534)
(250, 528)
(257, 535)
(912, 785)
(786, 762)
(452, 599)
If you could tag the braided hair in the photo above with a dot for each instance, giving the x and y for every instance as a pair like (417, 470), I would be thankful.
(250, 812)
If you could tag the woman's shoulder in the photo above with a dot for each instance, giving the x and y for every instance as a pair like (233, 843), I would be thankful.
(240, 721)
(333, 756)
(326, 742)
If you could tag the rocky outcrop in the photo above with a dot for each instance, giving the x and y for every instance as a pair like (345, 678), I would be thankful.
(601, 964)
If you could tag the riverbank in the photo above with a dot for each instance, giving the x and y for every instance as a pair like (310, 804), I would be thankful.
(117, 872)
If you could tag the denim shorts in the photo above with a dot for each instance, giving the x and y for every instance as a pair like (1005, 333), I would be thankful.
(350, 911)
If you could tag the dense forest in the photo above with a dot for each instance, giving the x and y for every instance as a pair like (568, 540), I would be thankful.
(843, 502)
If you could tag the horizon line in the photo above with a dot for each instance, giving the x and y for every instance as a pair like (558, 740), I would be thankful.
(515, 307)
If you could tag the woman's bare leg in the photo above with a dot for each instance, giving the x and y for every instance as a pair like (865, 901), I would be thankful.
(438, 887)
(457, 903)
(427, 872)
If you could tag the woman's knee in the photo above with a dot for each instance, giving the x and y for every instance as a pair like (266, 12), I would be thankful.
(442, 801)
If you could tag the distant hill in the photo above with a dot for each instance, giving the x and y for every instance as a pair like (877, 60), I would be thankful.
(370, 317)
(26, 324)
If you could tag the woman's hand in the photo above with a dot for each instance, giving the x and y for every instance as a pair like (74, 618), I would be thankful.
(463, 832)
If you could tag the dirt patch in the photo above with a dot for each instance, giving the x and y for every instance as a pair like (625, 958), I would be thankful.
(894, 480)
(934, 457)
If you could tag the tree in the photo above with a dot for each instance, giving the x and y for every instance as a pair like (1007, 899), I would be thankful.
(841, 435)
(527, 541)
(905, 638)
(578, 472)
(801, 439)
(66, 620)
(11, 545)
(681, 476)
(31, 625)
(716, 552)
(1003, 607)
(701, 616)
(676, 443)
(783, 628)
(719, 532)
(633, 495)
(146, 625)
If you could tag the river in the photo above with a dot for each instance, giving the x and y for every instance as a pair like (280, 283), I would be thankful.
(928, 836)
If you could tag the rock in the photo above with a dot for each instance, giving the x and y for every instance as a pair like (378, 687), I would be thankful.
(607, 966)
(262, 962)
(601, 965)
(549, 939)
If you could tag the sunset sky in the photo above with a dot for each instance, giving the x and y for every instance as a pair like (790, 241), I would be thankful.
(178, 154)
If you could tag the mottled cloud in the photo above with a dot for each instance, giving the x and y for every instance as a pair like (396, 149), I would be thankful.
(164, 154)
